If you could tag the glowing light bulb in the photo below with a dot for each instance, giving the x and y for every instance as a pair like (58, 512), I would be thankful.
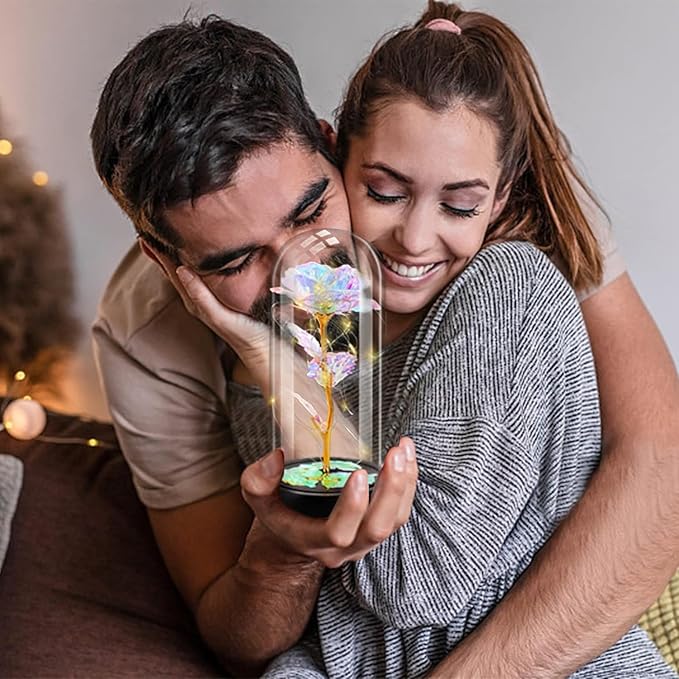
(5, 147)
(40, 178)
(24, 420)
(19, 376)
(92, 443)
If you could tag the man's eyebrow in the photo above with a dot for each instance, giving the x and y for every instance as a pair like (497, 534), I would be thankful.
(218, 260)
(312, 193)
(388, 170)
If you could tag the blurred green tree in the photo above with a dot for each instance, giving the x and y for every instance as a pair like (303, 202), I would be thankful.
(38, 329)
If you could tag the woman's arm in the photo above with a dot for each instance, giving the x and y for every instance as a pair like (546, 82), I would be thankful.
(501, 388)
(617, 549)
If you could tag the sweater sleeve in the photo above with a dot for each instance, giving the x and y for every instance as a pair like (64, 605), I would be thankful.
(475, 480)
(486, 406)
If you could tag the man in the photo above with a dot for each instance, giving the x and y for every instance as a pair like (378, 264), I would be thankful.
(204, 138)
(164, 372)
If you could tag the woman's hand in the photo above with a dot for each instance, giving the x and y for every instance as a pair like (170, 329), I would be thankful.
(246, 336)
(251, 340)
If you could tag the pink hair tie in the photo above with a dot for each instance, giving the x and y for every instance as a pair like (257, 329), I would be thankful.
(443, 25)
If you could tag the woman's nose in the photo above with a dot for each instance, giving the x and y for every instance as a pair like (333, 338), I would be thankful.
(416, 233)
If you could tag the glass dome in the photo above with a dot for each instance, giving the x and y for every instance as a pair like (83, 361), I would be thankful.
(326, 376)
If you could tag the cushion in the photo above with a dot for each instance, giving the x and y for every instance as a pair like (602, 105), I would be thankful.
(84, 591)
(661, 621)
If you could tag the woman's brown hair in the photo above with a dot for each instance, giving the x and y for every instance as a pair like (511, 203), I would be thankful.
(487, 69)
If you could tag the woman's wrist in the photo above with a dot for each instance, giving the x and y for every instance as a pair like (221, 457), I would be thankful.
(240, 374)
(252, 371)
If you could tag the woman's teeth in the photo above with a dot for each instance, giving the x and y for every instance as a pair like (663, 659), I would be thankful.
(407, 271)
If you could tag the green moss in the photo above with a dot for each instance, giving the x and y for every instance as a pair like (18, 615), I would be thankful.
(345, 465)
(306, 475)
(310, 474)
(335, 479)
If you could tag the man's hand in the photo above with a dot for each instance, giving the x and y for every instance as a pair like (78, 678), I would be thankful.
(586, 588)
(357, 523)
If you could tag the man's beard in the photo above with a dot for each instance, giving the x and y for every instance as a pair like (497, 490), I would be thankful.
(338, 257)
(261, 309)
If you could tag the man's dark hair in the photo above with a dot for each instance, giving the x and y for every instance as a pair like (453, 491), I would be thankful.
(184, 107)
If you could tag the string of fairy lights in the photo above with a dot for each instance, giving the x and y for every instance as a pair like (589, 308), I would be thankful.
(25, 418)
(39, 177)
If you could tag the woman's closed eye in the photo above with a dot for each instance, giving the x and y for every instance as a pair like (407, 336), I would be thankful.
(461, 212)
(382, 198)
(449, 209)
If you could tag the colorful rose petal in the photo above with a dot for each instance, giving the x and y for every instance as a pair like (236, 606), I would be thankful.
(305, 340)
(339, 364)
(322, 289)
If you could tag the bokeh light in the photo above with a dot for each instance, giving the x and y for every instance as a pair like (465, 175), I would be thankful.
(40, 178)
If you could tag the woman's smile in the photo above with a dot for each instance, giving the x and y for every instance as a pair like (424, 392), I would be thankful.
(407, 273)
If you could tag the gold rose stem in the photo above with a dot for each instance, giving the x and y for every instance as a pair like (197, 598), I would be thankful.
(327, 381)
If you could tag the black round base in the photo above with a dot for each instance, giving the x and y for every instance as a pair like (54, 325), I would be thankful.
(317, 502)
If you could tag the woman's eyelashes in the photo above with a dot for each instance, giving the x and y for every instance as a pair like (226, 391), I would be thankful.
(381, 198)
(449, 209)
(460, 212)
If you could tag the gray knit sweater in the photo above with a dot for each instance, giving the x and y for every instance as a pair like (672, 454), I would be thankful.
(497, 388)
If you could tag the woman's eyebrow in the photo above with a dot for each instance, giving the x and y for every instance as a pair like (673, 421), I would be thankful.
(466, 184)
(388, 170)
(454, 186)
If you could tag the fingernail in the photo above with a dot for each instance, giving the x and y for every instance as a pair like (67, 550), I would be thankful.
(410, 451)
(361, 482)
(399, 461)
(184, 275)
(270, 464)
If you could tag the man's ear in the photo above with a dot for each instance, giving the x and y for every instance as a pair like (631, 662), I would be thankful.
(500, 202)
(169, 269)
(161, 260)
(330, 135)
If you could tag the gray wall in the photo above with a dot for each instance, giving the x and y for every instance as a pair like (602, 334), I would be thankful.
(606, 65)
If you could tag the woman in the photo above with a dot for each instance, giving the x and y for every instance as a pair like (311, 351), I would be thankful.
(459, 100)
